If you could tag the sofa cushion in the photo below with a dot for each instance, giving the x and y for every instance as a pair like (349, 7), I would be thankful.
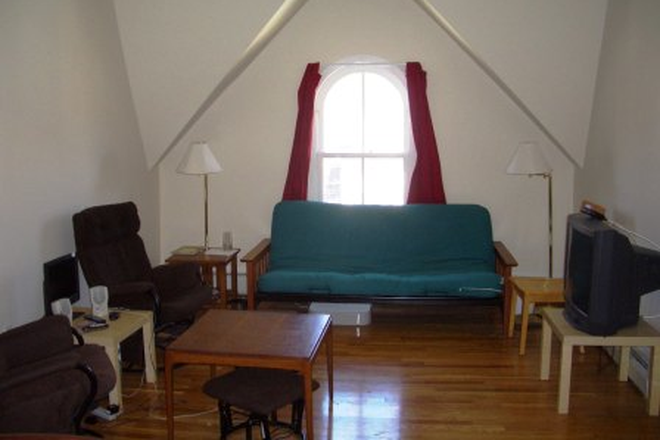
(420, 250)
(380, 239)
(478, 284)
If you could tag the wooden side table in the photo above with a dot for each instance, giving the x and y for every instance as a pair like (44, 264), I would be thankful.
(532, 290)
(218, 259)
(640, 335)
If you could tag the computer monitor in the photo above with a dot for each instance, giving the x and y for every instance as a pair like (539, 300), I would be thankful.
(60, 280)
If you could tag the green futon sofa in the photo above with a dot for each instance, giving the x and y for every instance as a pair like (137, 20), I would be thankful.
(330, 252)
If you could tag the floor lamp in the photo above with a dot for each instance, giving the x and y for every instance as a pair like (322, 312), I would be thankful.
(529, 160)
(199, 160)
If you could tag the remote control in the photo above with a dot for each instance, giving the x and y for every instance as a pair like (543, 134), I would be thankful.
(95, 326)
(96, 319)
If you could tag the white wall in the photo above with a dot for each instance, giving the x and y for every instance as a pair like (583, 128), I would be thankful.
(68, 138)
(623, 152)
(546, 50)
(623, 155)
(478, 128)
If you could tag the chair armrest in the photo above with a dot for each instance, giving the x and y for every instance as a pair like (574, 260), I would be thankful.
(28, 343)
(77, 336)
(177, 276)
(257, 261)
(28, 373)
(138, 295)
(504, 264)
(49, 398)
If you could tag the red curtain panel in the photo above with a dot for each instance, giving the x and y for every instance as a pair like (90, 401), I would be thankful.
(426, 181)
(297, 176)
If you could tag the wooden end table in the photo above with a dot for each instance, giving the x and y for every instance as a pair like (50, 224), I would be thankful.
(285, 340)
(218, 259)
(640, 335)
(532, 290)
(129, 322)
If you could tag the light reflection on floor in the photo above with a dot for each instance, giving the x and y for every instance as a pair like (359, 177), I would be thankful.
(367, 410)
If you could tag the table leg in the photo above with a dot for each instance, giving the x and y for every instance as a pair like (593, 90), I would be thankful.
(546, 349)
(523, 326)
(565, 377)
(234, 277)
(115, 397)
(169, 396)
(654, 382)
(624, 363)
(207, 274)
(221, 270)
(512, 313)
(309, 402)
(149, 351)
(329, 362)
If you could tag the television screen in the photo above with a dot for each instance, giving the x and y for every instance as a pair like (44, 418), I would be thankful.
(60, 280)
(605, 276)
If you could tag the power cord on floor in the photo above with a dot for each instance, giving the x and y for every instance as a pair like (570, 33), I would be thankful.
(188, 416)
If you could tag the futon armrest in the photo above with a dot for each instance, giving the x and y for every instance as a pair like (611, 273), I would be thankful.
(256, 262)
(258, 252)
(504, 264)
(504, 257)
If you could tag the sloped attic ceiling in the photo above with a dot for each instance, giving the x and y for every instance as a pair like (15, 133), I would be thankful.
(177, 53)
(518, 39)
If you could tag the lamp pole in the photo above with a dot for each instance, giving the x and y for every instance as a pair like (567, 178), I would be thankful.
(550, 241)
(206, 212)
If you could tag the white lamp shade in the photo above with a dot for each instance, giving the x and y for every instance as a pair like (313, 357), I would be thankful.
(529, 160)
(199, 160)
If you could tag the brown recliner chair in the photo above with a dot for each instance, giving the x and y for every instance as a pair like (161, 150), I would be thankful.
(112, 253)
(48, 383)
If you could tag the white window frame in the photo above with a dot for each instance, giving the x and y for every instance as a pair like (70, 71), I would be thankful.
(331, 74)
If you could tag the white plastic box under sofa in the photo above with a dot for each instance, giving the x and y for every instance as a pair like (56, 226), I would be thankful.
(344, 313)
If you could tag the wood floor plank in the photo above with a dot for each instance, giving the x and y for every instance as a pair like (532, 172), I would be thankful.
(423, 373)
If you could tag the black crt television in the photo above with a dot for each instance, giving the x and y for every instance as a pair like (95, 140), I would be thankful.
(61, 280)
(604, 276)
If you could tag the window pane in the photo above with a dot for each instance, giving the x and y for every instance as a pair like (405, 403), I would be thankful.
(383, 181)
(342, 116)
(383, 118)
(342, 180)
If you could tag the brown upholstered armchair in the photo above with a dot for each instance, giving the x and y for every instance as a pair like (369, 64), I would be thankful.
(112, 253)
(48, 383)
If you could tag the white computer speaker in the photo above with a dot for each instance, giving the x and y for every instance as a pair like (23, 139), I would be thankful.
(99, 298)
(62, 307)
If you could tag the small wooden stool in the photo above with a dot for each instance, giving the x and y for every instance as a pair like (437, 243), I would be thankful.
(532, 290)
(260, 392)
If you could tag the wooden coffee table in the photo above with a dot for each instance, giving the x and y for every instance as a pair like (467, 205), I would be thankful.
(284, 340)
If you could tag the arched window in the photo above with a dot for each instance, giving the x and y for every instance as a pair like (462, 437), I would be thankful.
(362, 152)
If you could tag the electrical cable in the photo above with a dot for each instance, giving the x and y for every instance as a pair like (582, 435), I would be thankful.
(633, 233)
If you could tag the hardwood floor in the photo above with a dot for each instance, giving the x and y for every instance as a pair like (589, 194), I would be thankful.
(423, 373)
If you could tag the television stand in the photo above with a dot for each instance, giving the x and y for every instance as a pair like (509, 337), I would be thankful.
(640, 335)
